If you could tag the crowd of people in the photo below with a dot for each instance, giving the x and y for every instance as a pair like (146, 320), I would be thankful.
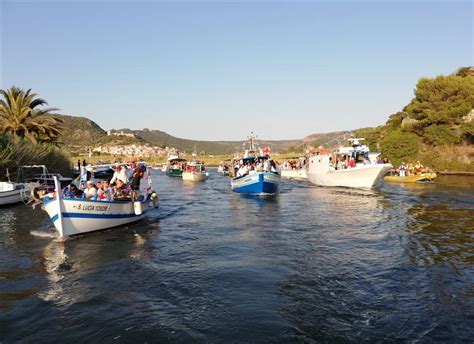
(343, 162)
(248, 166)
(411, 169)
(294, 164)
(124, 185)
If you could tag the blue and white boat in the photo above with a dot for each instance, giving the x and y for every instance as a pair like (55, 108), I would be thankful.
(258, 174)
(75, 216)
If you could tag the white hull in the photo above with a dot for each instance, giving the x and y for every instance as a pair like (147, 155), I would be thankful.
(10, 197)
(11, 193)
(195, 177)
(294, 174)
(365, 176)
(80, 216)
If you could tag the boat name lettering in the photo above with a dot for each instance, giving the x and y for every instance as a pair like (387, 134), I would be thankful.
(92, 207)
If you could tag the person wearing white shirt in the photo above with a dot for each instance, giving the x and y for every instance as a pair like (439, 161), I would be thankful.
(90, 190)
(120, 174)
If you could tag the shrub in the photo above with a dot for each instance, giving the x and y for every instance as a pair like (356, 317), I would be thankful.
(17, 152)
(400, 146)
(467, 132)
(438, 135)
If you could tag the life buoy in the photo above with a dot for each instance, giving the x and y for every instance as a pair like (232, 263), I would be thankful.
(154, 199)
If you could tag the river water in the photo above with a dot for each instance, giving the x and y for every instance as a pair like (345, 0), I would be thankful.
(312, 264)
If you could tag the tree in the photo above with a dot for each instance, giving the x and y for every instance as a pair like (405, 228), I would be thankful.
(438, 135)
(399, 146)
(23, 115)
(443, 100)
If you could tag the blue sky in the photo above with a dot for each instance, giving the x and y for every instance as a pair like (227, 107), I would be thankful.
(217, 70)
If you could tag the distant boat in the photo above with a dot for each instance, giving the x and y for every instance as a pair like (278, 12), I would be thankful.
(323, 169)
(423, 177)
(195, 171)
(256, 181)
(175, 166)
(75, 216)
(295, 172)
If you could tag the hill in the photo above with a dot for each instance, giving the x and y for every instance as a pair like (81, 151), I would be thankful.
(436, 126)
(79, 132)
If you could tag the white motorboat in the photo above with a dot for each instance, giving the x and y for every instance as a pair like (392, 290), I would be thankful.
(334, 169)
(11, 193)
(75, 216)
(195, 171)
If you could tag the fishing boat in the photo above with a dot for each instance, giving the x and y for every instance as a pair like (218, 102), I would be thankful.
(195, 171)
(257, 175)
(175, 165)
(326, 169)
(76, 216)
(415, 178)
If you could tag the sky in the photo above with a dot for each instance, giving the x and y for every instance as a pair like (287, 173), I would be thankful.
(216, 70)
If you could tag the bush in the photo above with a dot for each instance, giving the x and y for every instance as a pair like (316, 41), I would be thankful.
(438, 135)
(467, 132)
(400, 146)
(17, 152)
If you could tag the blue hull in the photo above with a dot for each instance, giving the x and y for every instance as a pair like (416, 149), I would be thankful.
(259, 183)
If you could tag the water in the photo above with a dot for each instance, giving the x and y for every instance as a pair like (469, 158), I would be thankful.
(310, 265)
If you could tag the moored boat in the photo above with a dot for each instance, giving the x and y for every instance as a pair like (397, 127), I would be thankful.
(422, 177)
(347, 166)
(11, 193)
(75, 216)
(257, 175)
(175, 166)
(195, 171)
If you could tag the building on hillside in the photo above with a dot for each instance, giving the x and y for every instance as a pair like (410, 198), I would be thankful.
(121, 133)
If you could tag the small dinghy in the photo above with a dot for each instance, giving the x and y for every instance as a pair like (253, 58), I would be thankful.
(416, 178)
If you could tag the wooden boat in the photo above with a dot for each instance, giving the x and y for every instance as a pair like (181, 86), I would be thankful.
(195, 171)
(256, 182)
(423, 177)
(75, 216)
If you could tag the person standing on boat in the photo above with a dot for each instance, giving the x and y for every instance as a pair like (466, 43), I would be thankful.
(137, 176)
(402, 170)
(119, 174)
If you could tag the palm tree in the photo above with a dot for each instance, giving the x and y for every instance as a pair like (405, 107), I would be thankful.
(22, 115)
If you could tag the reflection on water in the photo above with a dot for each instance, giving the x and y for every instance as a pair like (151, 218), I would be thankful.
(312, 264)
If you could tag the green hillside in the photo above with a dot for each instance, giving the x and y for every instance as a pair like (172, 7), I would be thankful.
(79, 132)
(436, 126)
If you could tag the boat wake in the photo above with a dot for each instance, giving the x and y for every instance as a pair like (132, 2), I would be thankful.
(41, 234)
